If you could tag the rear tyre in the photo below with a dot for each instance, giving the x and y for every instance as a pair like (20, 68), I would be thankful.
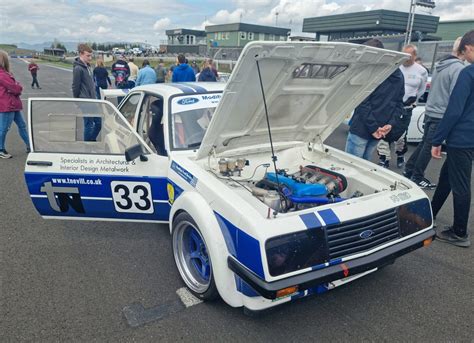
(192, 258)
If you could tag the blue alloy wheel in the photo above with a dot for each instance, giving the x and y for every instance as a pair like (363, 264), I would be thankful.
(192, 257)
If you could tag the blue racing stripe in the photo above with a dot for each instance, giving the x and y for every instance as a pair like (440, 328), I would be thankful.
(310, 220)
(329, 217)
(183, 88)
(241, 245)
(197, 88)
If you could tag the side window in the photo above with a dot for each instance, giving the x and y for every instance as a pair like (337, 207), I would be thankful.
(74, 126)
(150, 126)
(129, 108)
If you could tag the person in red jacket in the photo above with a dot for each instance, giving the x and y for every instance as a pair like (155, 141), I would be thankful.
(10, 105)
(33, 68)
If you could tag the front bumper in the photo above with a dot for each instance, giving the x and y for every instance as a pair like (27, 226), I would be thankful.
(335, 272)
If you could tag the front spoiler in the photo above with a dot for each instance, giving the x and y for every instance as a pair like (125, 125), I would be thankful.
(331, 273)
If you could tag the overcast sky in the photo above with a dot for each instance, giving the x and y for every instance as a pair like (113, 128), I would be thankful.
(36, 21)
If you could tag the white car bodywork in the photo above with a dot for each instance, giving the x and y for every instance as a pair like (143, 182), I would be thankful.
(257, 255)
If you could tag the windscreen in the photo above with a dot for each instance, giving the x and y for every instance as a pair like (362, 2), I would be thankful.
(190, 118)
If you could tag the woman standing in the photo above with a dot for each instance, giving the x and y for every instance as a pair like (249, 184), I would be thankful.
(207, 74)
(101, 77)
(10, 105)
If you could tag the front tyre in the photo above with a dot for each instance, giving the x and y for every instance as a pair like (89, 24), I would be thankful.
(192, 257)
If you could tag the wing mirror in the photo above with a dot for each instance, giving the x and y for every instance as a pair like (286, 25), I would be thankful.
(135, 151)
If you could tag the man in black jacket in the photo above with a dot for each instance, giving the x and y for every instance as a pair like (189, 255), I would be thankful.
(83, 87)
(456, 128)
(374, 118)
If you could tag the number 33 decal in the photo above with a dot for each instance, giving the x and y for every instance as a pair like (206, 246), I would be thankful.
(132, 197)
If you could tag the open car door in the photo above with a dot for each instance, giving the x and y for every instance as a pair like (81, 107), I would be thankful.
(77, 167)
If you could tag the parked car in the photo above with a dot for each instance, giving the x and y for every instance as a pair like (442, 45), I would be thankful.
(255, 222)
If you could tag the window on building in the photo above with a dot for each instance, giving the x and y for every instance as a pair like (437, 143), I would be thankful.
(243, 35)
(271, 37)
(227, 36)
(215, 35)
(282, 38)
(250, 35)
(261, 36)
(219, 35)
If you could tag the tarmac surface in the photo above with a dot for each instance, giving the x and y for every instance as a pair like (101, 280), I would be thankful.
(84, 281)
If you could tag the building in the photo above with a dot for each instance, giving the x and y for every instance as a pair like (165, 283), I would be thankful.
(54, 52)
(388, 26)
(237, 35)
(185, 41)
(450, 30)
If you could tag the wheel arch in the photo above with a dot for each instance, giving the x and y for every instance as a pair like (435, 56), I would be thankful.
(197, 207)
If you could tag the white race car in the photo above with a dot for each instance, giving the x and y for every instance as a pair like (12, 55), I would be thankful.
(259, 222)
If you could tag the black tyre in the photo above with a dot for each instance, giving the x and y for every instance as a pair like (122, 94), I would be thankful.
(192, 258)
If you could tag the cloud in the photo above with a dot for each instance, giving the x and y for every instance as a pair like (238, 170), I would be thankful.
(102, 30)
(162, 24)
(99, 19)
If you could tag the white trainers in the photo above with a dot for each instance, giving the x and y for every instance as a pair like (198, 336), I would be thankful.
(5, 154)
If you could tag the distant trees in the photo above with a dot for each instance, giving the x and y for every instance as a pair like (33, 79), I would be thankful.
(58, 45)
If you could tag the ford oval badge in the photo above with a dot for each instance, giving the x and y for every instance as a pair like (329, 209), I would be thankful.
(366, 234)
(188, 101)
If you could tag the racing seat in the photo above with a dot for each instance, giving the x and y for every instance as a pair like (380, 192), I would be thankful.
(155, 132)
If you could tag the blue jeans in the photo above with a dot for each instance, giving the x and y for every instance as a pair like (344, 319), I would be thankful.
(92, 127)
(6, 119)
(361, 147)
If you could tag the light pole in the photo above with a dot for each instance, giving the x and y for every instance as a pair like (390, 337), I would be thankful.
(411, 16)
(276, 18)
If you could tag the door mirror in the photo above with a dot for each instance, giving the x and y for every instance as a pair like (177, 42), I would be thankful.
(135, 151)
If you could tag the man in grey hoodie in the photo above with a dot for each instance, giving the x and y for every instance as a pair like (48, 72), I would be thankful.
(444, 78)
(83, 86)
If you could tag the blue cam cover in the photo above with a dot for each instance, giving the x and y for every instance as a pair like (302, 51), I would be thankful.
(299, 189)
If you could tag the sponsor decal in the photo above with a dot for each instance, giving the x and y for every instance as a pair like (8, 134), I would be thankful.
(188, 101)
(187, 176)
(211, 97)
(170, 189)
(366, 234)
(60, 198)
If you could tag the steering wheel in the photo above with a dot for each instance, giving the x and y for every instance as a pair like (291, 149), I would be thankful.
(194, 138)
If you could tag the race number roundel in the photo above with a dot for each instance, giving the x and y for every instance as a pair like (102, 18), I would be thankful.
(132, 197)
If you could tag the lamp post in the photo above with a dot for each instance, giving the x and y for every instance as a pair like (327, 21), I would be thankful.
(411, 16)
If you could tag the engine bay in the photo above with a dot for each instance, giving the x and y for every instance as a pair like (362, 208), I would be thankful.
(288, 190)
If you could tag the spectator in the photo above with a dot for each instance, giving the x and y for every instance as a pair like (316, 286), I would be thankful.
(33, 69)
(101, 77)
(420, 62)
(457, 128)
(146, 75)
(374, 117)
(214, 68)
(133, 73)
(160, 71)
(183, 72)
(83, 87)
(415, 85)
(444, 78)
(121, 73)
(10, 105)
(206, 73)
(195, 67)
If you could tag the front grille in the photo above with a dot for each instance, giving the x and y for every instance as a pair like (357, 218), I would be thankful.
(345, 238)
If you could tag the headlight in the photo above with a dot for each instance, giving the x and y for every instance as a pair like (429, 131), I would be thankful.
(414, 216)
(296, 251)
